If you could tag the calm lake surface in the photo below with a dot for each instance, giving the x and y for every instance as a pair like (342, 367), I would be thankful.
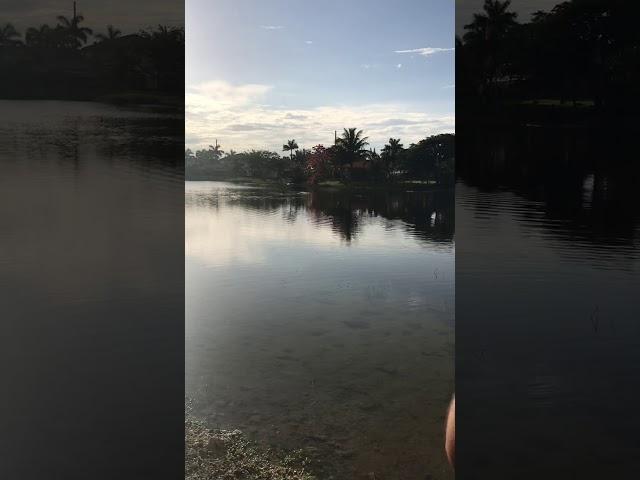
(324, 320)
(547, 285)
(91, 291)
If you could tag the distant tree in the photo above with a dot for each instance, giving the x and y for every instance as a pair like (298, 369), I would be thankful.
(493, 24)
(351, 146)
(391, 153)
(432, 159)
(75, 36)
(488, 38)
(164, 33)
(44, 36)
(9, 36)
(165, 48)
(319, 165)
(112, 34)
(215, 152)
(290, 146)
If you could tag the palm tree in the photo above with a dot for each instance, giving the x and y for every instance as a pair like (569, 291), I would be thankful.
(39, 37)
(493, 24)
(112, 34)
(391, 153)
(215, 152)
(290, 146)
(9, 36)
(75, 34)
(352, 145)
(164, 33)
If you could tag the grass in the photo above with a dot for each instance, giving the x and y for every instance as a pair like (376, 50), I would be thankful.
(229, 455)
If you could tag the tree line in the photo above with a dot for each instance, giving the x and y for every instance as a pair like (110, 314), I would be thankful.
(580, 53)
(69, 60)
(350, 159)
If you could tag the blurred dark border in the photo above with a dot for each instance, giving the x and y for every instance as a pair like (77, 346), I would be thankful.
(92, 239)
(547, 97)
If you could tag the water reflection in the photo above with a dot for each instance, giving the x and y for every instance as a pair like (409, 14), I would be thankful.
(547, 273)
(426, 216)
(323, 320)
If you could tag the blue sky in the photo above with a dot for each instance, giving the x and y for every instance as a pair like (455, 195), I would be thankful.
(260, 72)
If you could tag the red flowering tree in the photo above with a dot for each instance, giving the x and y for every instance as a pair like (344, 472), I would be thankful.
(319, 164)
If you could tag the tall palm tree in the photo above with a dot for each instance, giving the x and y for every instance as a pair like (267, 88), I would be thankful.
(9, 36)
(352, 145)
(393, 147)
(76, 35)
(493, 23)
(40, 37)
(215, 151)
(112, 34)
(391, 153)
(290, 147)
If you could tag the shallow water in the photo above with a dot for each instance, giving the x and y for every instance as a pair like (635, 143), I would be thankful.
(323, 321)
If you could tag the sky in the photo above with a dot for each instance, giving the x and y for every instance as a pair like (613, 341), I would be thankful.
(127, 15)
(261, 72)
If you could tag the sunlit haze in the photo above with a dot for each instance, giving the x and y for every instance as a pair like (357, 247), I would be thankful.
(259, 73)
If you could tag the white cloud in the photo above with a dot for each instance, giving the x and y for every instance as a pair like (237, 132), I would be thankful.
(237, 115)
(399, 65)
(272, 27)
(426, 51)
(215, 95)
(308, 42)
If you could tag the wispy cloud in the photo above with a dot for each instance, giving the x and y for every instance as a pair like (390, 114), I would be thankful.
(272, 27)
(308, 42)
(238, 116)
(425, 51)
(399, 65)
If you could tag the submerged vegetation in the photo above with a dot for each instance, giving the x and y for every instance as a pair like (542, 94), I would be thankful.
(67, 60)
(229, 455)
(431, 161)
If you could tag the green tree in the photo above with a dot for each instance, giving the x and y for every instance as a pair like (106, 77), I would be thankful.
(215, 152)
(352, 146)
(9, 36)
(391, 153)
(75, 36)
(112, 34)
(493, 24)
(290, 147)
(40, 37)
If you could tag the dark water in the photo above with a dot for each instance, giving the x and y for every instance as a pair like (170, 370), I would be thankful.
(547, 283)
(91, 278)
(324, 321)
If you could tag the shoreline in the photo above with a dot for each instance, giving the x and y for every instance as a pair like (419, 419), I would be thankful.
(412, 185)
(229, 454)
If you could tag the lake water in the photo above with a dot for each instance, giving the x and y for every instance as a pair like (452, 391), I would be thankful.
(324, 320)
(547, 283)
(91, 291)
